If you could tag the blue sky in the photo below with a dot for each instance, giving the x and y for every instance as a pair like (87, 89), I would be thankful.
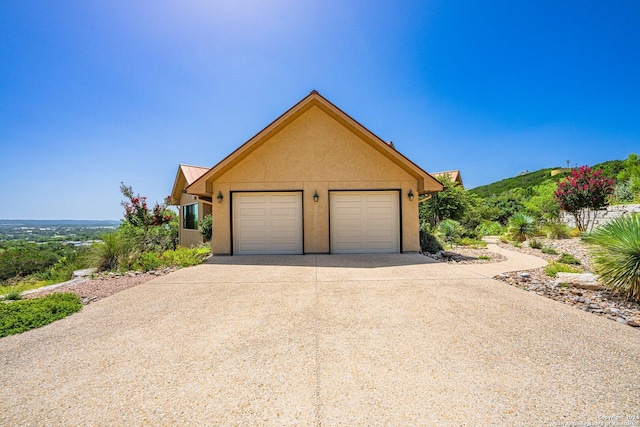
(94, 93)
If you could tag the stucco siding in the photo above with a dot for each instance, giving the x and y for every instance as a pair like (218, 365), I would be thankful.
(314, 153)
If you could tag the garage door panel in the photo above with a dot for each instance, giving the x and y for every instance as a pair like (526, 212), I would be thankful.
(365, 222)
(267, 223)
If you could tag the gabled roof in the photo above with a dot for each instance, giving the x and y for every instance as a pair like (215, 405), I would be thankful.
(454, 175)
(426, 183)
(187, 175)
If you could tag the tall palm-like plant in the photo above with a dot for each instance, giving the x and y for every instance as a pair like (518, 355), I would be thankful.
(615, 252)
(520, 227)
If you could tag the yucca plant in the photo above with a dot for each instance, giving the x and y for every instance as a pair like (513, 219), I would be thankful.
(449, 230)
(615, 252)
(520, 227)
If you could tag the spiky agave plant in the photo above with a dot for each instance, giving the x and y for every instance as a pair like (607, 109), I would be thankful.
(615, 253)
(520, 227)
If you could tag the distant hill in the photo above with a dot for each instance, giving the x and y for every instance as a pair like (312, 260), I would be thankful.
(610, 168)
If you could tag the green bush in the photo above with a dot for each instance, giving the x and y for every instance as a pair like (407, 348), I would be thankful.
(489, 228)
(473, 243)
(429, 242)
(149, 261)
(206, 227)
(535, 244)
(13, 296)
(115, 251)
(549, 250)
(556, 230)
(554, 268)
(185, 257)
(521, 227)
(25, 260)
(449, 231)
(615, 252)
(20, 316)
(566, 258)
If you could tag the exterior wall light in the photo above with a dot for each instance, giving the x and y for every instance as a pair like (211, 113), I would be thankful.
(220, 197)
(315, 196)
(410, 195)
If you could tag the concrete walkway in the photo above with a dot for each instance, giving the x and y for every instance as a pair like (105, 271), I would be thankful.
(515, 261)
(322, 340)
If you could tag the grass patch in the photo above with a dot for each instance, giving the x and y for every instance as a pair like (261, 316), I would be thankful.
(535, 244)
(549, 251)
(484, 257)
(566, 258)
(20, 316)
(473, 243)
(13, 296)
(553, 268)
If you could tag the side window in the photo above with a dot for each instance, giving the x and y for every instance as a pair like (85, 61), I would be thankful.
(190, 217)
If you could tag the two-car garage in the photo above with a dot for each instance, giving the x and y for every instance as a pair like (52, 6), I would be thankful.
(272, 222)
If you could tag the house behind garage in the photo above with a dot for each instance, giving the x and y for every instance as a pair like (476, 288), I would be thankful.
(313, 181)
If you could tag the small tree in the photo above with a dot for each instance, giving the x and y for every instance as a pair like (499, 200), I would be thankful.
(581, 193)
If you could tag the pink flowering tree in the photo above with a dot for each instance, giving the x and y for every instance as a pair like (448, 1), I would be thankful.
(150, 229)
(583, 192)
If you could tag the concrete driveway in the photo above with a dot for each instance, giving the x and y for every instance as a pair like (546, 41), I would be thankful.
(323, 340)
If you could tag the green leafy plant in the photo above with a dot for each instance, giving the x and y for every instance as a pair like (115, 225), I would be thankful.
(484, 257)
(535, 244)
(566, 258)
(489, 228)
(520, 227)
(549, 250)
(150, 261)
(428, 242)
(185, 257)
(114, 251)
(449, 231)
(615, 252)
(556, 230)
(20, 316)
(473, 243)
(554, 268)
(13, 296)
(206, 227)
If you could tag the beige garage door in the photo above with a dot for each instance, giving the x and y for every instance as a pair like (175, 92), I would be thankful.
(365, 222)
(267, 223)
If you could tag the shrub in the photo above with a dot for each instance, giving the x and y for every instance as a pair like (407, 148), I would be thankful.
(449, 230)
(535, 244)
(429, 242)
(554, 268)
(473, 243)
(185, 257)
(20, 316)
(149, 261)
(25, 260)
(549, 250)
(206, 227)
(114, 251)
(13, 296)
(520, 227)
(555, 230)
(615, 252)
(489, 228)
(566, 258)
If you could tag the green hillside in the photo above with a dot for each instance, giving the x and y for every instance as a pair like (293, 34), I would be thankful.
(610, 168)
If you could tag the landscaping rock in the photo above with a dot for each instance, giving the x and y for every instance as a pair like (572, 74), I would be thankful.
(84, 272)
(582, 281)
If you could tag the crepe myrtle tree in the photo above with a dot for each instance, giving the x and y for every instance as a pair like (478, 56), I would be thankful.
(583, 192)
(137, 213)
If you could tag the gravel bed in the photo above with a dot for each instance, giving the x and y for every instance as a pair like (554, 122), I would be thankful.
(601, 302)
(107, 284)
(463, 255)
(573, 246)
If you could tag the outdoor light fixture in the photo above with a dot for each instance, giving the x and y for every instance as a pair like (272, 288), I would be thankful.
(410, 195)
(220, 197)
(315, 196)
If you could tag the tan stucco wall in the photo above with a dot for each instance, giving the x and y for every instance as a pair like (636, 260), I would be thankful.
(314, 153)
